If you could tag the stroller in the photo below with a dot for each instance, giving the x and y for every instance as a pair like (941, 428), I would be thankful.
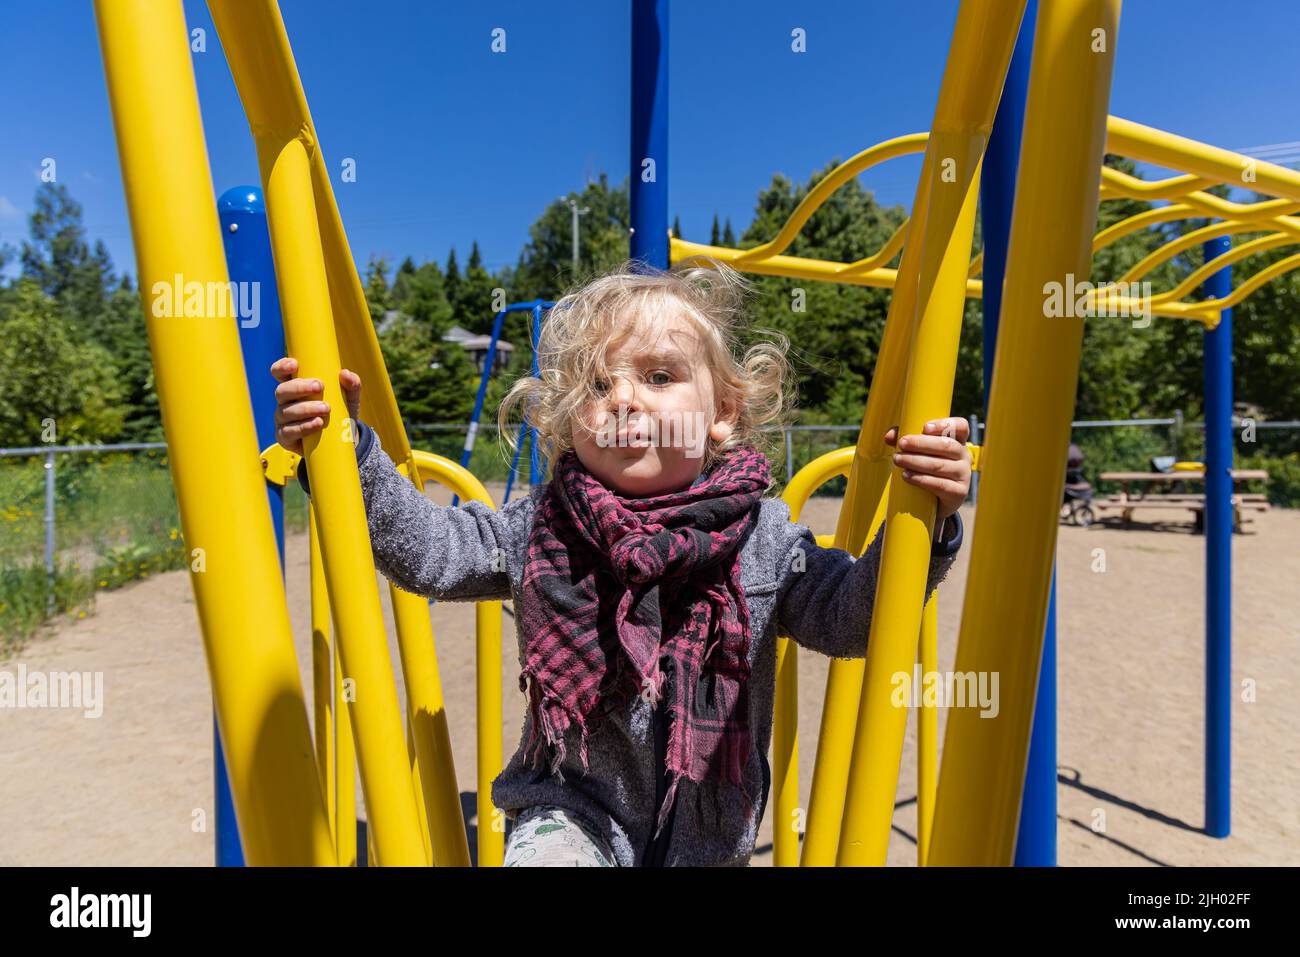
(1075, 507)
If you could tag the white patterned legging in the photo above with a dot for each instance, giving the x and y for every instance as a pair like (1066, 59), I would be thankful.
(550, 836)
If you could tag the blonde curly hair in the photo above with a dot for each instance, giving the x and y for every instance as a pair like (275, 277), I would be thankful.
(583, 325)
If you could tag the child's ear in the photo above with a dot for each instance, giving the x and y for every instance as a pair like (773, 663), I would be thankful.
(724, 422)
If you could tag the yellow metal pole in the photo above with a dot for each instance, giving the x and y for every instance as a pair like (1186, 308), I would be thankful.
(487, 614)
(1023, 464)
(261, 62)
(439, 793)
(785, 757)
(491, 823)
(864, 505)
(340, 515)
(345, 773)
(215, 463)
(981, 49)
(861, 516)
(322, 661)
(927, 734)
(786, 814)
(340, 784)
(421, 809)
(909, 522)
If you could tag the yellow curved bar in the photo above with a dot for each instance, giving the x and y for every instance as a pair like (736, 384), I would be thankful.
(1178, 152)
(235, 568)
(1193, 203)
(1211, 205)
(491, 832)
(889, 149)
(887, 252)
(796, 267)
(1131, 224)
(1184, 188)
(340, 515)
(1163, 254)
(1234, 255)
(1279, 268)
(1037, 361)
(1150, 189)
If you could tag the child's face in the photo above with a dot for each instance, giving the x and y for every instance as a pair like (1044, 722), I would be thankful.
(650, 435)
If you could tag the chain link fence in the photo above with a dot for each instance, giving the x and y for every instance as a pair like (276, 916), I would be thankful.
(78, 519)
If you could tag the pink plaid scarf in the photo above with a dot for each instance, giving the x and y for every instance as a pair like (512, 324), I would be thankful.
(611, 583)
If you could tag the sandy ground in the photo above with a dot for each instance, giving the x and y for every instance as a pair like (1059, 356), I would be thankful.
(128, 786)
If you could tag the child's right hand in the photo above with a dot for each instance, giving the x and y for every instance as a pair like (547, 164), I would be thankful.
(300, 409)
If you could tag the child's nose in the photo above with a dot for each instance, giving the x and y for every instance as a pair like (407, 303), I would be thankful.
(625, 393)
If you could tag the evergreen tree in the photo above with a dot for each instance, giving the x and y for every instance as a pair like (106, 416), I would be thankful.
(61, 263)
(477, 297)
(452, 282)
(378, 295)
(401, 288)
(433, 379)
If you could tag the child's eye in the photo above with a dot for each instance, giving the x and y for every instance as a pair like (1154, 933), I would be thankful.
(601, 386)
(660, 377)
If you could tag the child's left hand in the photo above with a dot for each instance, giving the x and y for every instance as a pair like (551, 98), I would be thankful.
(937, 461)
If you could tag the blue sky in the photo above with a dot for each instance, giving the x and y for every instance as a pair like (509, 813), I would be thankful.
(455, 143)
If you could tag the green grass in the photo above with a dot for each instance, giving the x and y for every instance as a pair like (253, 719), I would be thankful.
(115, 522)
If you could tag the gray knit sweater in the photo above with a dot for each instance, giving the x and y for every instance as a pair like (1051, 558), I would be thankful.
(820, 597)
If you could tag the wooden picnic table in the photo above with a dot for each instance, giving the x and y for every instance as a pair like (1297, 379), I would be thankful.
(1138, 497)
(1238, 475)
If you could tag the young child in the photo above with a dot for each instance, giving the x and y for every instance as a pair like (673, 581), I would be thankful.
(650, 576)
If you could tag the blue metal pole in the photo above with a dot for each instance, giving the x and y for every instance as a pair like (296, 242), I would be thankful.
(468, 450)
(242, 213)
(534, 459)
(1218, 555)
(536, 306)
(1036, 836)
(514, 462)
(472, 434)
(649, 158)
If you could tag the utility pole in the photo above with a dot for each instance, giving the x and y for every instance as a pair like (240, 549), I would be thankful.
(573, 205)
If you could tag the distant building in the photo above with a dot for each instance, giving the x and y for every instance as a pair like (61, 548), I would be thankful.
(473, 343)
(477, 346)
